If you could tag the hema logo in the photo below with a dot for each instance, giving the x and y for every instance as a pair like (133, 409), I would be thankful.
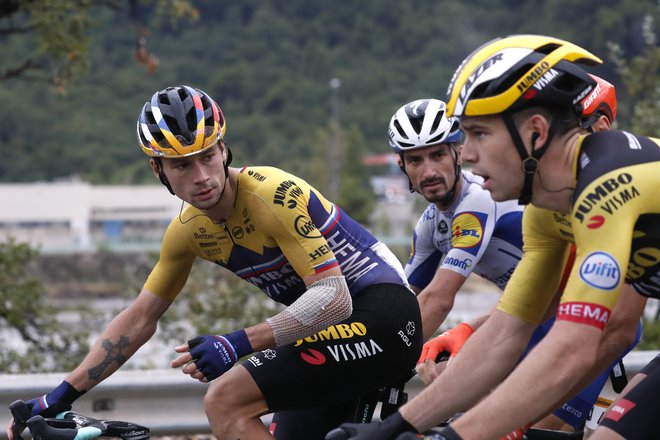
(600, 270)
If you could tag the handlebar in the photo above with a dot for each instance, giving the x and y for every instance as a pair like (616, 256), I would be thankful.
(72, 426)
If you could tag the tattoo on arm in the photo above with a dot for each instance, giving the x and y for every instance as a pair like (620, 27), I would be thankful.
(114, 354)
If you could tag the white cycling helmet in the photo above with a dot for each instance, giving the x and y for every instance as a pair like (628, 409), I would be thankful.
(422, 123)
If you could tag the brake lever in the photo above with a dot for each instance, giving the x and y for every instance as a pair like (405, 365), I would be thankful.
(20, 411)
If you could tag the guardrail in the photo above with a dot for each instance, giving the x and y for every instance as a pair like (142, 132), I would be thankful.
(167, 401)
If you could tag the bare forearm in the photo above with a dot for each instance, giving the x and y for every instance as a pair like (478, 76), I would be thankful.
(127, 332)
(555, 365)
(434, 312)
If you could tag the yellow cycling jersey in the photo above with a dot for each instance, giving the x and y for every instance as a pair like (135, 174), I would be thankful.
(614, 223)
(279, 231)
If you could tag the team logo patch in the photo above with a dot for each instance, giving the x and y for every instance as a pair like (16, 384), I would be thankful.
(313, 357)
(600, 270)
(467, 231)
(620, 409)
(596, 222)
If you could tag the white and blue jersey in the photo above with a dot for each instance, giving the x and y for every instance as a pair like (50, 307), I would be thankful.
(474, 234)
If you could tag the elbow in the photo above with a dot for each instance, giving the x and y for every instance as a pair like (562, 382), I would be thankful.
(345, 307)
(618, 339)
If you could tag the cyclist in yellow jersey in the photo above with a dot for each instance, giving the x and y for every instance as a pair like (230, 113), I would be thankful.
(518, 98)
(351, 326)
(599, 110)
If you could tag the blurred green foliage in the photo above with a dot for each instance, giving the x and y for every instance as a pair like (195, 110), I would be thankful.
(32, 338)
(269, 64)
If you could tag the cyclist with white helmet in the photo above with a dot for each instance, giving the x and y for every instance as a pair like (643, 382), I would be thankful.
(462, 230)
(447, 248)
(518, 99)
(349, 307)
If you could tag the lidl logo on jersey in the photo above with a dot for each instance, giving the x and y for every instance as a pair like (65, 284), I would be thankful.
(467, 231)
(600, 270)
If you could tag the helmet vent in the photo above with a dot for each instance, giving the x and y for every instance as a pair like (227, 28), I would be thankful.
(400, 129)
(514, 77)
(417, 124)
(548, 48)
(172, 124)
(435, 139)
(436, 121)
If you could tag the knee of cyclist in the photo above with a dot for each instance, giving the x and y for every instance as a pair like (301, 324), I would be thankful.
(219, 397)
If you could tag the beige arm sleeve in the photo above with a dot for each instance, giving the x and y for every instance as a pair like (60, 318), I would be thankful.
(325, 302)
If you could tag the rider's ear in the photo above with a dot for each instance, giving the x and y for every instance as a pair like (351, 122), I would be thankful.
(155, 166)
(535, 137)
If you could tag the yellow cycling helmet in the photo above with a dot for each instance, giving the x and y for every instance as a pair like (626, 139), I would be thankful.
(179, 121)
(508, 74)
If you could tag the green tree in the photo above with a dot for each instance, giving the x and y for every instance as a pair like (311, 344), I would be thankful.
(55, 34)
(640, 76)
(356, 196)
(32, 339)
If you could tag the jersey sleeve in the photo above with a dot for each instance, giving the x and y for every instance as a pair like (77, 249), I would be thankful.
(290, 225)
(170, 273)
(424, 257)
(535, 281)
(472, 228)
(603, 245)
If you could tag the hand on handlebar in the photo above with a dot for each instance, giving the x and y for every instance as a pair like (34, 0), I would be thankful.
(433, 351)
(450, 341)
(69, 425)
(207, 357)
(48, 405)
(388, 429)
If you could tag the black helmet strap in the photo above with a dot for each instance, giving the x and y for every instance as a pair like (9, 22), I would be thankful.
(530, 162)
(162, 176)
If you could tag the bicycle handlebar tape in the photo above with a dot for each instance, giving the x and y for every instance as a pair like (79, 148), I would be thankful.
(448, 433)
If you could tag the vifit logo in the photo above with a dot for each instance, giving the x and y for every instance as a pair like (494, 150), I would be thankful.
(600, 270)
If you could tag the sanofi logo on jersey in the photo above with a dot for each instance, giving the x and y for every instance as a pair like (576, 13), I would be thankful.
(467, 231)
(600, 270)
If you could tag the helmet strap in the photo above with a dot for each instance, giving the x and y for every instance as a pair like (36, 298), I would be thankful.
(530, 162)
(457, 175)
(162, 176)
(229, 159)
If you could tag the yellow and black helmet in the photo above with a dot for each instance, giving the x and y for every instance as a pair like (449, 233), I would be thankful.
(511, 73)
(179, 121)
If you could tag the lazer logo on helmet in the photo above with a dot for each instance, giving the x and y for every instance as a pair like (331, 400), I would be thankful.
(471, 82)
(582, 94)
(600, 270)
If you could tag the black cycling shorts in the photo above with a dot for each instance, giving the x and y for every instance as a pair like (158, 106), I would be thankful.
(635, 415)
(313, 385)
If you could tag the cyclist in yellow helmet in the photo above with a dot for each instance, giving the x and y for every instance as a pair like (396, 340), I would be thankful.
(351, 324)
(519, 102)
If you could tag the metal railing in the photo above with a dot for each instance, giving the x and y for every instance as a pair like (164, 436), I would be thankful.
(167, 401)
